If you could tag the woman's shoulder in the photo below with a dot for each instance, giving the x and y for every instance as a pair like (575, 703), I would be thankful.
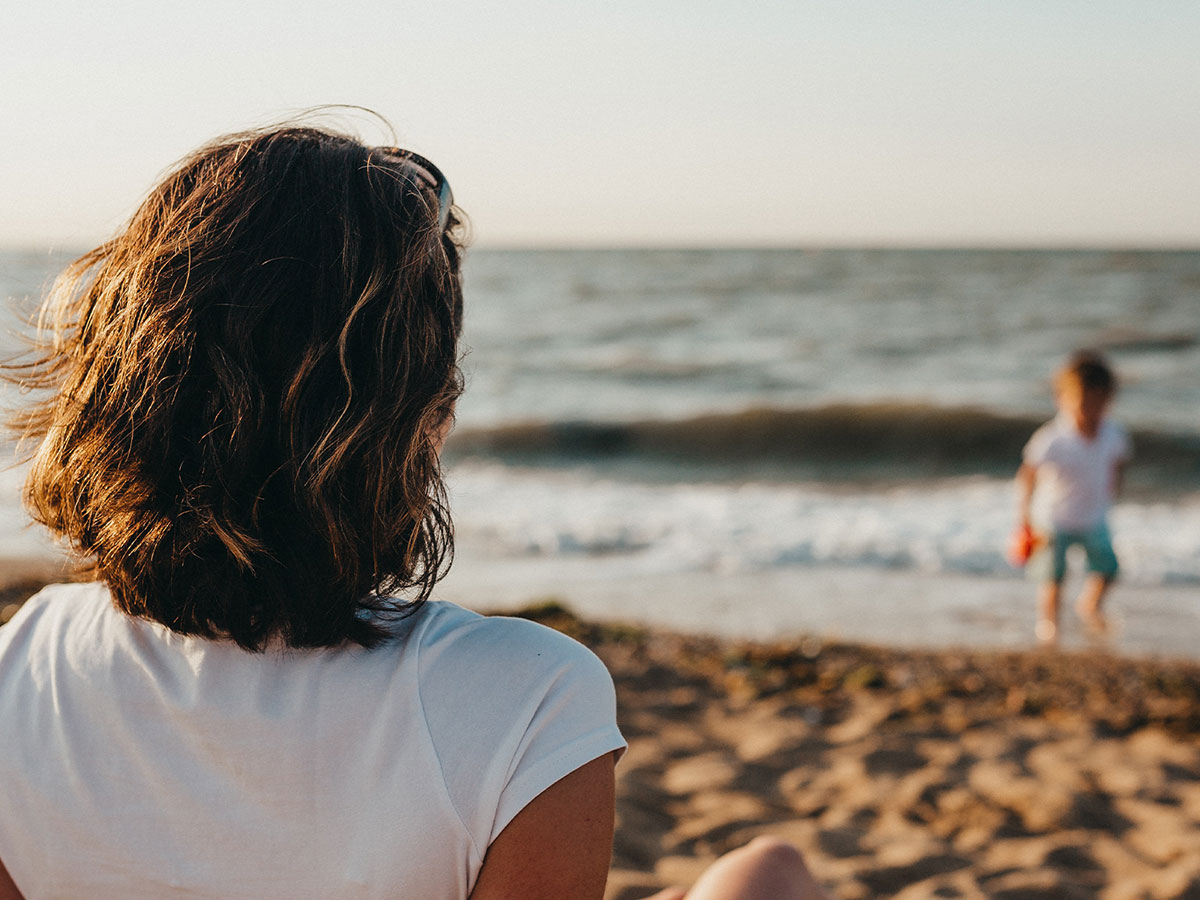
(450, 634)
(493, 663)
(62, 601)
(67, 592)
(511, 707)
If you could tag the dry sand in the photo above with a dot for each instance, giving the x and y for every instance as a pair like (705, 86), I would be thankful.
(905, 773)
(899, 773)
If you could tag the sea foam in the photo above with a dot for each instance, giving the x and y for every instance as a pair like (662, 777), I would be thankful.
(951, 526)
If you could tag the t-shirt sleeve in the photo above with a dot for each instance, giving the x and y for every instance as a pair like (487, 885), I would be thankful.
(513, 707)
(1037, 449)
(574, 724)
(1123, 451)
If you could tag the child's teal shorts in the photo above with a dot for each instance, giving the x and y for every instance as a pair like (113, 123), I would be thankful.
(1050, 564)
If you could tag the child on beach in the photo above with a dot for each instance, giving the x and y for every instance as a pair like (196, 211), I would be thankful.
(1080, 455)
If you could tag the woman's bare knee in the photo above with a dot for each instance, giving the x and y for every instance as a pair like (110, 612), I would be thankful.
(766, 868)
(774, 862)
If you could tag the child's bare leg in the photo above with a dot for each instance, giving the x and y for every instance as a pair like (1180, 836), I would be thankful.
(764, 869)
(1090, 603)
(1047, 623)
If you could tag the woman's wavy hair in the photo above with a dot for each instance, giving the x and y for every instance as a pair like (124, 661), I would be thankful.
(247, 391)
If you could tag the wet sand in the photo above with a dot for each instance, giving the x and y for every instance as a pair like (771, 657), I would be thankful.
(899, 773)
(901, 608)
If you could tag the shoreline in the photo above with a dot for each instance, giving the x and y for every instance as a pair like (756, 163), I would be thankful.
(902, 609)
(888, 608)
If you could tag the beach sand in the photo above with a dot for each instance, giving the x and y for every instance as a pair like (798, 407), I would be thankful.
(899, 773)
(905, 773)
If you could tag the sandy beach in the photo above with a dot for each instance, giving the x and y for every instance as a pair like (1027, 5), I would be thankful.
(904, 773)
(899, 773)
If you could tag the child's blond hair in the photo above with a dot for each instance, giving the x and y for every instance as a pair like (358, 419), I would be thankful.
(1088, 369)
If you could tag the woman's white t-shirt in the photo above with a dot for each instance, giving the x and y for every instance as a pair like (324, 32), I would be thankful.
(136, 762)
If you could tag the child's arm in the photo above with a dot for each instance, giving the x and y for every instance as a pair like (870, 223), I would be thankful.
(1118, 477)
(1026, 480)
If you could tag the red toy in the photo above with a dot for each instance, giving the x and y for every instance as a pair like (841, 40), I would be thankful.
(1022, 544)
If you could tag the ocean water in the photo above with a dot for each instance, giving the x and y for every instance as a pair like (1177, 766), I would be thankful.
(710, 415)
(734, 411)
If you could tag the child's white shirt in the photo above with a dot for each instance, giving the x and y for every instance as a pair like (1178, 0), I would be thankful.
(1079, 472)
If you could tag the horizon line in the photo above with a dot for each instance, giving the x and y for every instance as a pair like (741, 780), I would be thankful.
(72, 247)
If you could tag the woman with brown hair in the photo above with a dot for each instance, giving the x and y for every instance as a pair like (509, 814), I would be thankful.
(244, 396)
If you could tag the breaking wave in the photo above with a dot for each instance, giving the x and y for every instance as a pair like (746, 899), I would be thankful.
(889, 440)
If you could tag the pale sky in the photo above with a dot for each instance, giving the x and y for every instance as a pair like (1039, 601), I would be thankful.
(643, 122)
